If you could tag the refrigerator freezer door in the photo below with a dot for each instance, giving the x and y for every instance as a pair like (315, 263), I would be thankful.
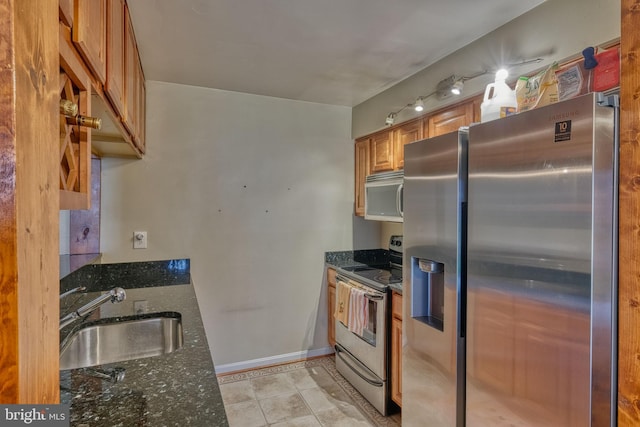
(540, 269)
(430, 389)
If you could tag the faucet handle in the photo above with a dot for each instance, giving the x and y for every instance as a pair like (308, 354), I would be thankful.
(118, 295)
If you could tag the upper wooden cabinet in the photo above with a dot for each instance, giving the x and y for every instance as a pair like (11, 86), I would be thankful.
(75, 140)
(387, 147)
(103, 35)
(134, 90)
(406, 133)
(382, 152)
(450, 120)
(90, 35)
(114, 85)
(362, 169)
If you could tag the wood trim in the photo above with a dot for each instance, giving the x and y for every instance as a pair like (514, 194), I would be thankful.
(29, 197)
(629, 219)
(9, 356)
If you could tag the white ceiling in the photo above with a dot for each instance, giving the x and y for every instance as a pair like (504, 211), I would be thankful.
(338, 52)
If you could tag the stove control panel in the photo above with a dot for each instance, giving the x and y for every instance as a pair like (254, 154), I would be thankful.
(395, 243)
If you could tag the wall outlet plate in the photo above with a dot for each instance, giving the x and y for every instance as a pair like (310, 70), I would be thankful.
(139, 240)
(141, 306)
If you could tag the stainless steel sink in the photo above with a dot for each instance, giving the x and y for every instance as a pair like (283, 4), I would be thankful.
(122, 338)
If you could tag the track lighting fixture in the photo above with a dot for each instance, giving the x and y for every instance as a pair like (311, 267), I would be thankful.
(391, 118)
(456, 88)
(449, 87)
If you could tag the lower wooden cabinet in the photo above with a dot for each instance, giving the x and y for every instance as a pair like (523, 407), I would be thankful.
(331, 305)
(396, 348)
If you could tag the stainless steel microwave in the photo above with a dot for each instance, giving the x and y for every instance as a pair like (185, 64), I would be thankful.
(383, 196)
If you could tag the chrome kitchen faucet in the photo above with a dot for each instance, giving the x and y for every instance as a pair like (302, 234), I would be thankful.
(114, 295)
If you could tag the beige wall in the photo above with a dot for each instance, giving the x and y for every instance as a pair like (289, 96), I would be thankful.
(254, 190)
(555, 30)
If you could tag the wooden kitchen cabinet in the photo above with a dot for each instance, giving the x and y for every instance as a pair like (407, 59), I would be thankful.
(449, 120)
(331, 306)
(103, 39)
(75, 140)
(133, 118)
(396, 348)
(90, 35)
(362, 169)
(139, 137)
(404, 134)
(382, 152)
(114, 84)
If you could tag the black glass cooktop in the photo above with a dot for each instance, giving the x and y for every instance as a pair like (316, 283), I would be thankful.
(382, 275)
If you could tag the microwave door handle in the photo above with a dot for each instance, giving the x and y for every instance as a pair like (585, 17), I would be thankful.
(399, 199)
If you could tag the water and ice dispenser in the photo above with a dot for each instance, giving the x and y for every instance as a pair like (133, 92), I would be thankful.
(427, 292)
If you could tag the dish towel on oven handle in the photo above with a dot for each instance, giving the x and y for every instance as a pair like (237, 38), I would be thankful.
(343, 292)
(358, 313)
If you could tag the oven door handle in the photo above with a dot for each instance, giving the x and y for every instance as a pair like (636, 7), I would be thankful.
(374, 382)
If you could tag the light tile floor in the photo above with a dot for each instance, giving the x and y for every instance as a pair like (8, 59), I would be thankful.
(300, 394)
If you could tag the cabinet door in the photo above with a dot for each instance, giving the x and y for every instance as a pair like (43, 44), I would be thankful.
(405, 134)
(331, 295)
(75, 140)
(114, 85)
(449, 120)
(362, 169)
(382, 152)
(396, 349)
(141, 109)
(90, 34)
(131, 86)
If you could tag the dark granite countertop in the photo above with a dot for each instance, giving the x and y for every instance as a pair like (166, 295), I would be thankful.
(371, 257)
(175, 389)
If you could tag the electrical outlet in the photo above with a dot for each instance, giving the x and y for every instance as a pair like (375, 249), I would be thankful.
(140, 307)
(139, 240)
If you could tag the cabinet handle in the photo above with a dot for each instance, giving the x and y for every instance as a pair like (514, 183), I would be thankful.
(68, 108)
(90, 122)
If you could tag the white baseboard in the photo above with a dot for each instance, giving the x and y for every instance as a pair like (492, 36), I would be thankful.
(272, 360)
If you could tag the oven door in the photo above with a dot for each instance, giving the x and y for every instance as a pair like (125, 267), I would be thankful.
(370, 348)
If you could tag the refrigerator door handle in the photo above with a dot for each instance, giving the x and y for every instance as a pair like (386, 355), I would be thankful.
(399, 195)
(357, 367)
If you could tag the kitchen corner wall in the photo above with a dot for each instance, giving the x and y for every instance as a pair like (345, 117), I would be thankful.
(555, 30)
(254, 190)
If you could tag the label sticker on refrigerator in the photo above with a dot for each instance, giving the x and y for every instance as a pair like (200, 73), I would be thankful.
(563, 131)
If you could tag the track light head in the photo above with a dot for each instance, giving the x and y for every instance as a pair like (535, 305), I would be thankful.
(456, 87)
(391, 118)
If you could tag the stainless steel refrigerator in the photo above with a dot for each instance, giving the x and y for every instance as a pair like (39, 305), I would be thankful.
(510, 271)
